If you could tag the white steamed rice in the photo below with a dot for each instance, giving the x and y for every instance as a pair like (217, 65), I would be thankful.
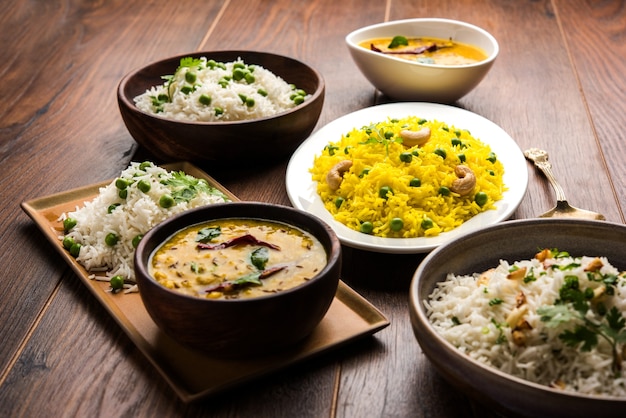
(459, 309)
(230, 99)
(132, 216)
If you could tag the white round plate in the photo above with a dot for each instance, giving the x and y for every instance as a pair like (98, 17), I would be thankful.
(302, 190)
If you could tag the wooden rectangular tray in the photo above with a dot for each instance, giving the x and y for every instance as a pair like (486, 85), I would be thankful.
(193, 375)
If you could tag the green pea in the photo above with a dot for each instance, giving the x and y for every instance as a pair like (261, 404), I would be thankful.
(406, 157)
(441, 152)
(416, 152)
(239, 65)
(116, 282)
(481, 198)
(415, 182)
(190, 77)
(163, 98)
(75, 249)
(111, 239)
(384, 191)
(186, 89)
(123, 194)
(204, 99)
(367, 227)
(166, 201)
(68, 242)
(298, 99)
(68, 224)
(461, 157)
(218, 111)
(144, 186)
(144, 165)
(339, 201)
(262, 92)
(211, 64)
(136, 240)
(396, 224)
(492, 157)
(121, 183)
(249, 78)
(249, 102)
(455, 142)
(389, 135)
(112, 207)
(365, 172)
(238, 74)
(444, 191)
(427, 223)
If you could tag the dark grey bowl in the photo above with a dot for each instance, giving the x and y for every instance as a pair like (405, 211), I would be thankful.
(254, 141)
(475, 252)
(240, 327)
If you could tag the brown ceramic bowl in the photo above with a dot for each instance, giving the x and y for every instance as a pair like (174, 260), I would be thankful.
(253, 141)
(240, 327)
(478, 251)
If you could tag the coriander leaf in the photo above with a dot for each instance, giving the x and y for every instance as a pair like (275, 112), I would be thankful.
(556, 315)
(615, 319)
(580, 334)
(185, 187)
(189, 62)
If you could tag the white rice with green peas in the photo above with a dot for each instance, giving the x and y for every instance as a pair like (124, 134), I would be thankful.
(208, 91)
(526, 326)
(104, 229)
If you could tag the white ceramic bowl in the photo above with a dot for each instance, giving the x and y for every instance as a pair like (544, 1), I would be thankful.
(412, 81)
(480, 250)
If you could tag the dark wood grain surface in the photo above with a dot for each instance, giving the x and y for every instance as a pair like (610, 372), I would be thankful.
(558, 84)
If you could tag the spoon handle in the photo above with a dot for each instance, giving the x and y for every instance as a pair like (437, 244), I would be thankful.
(540, 158)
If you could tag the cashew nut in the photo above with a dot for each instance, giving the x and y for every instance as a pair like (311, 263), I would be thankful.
(465, 182)
(412, 138)
(594, 265)
(335, 175)
(518, 274)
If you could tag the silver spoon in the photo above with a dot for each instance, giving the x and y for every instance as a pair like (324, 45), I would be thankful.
(562, 208)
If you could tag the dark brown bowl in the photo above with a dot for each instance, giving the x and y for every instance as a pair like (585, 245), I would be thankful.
(478, 251)
(253, 141)
(240, 327)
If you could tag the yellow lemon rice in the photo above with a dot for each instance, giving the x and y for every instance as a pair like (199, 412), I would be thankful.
(404, 192)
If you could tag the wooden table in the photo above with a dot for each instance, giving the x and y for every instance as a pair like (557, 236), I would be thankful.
(558, 84)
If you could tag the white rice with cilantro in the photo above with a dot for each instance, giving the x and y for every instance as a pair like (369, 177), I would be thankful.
(208, 91)
(526, 319)
(101, 233)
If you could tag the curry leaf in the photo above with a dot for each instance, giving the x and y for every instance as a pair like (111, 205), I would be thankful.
(260, 257)
(208, 234)
(397, 41)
